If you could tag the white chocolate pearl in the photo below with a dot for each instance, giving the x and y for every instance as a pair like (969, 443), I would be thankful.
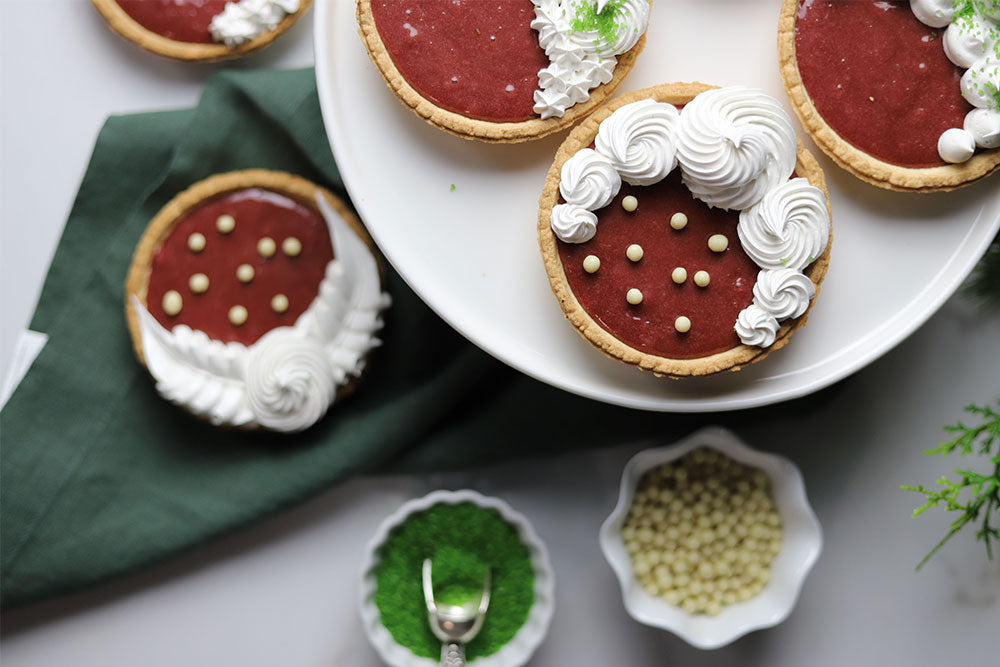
(244, 273)
(266, 247)
(679, 275)
(198, 283)
(678, 221)
(196, 242)
(172, 302)
(225, 224)
(633, 296)
(237, 315)
(279, 303)
(701, 278)
(630, 203)
(634, 252)
(717, 243)
(591, 263)
(682, 324)
(291, 246)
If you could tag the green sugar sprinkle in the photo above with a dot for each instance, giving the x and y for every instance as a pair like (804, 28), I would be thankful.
(477, 31)
(452, 188)
(605, 23)
(462, 541)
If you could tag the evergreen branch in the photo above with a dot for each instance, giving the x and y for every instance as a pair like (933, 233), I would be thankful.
(979, 492)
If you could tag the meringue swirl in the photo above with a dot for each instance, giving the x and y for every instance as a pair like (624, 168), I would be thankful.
(589, 180)
(290, 385)
(640, 140)
(244, 20)
(785, 293)
(572, 223)
(971, 41)
(788, 228)
(580, 56)
(734, 144)
(756, 326)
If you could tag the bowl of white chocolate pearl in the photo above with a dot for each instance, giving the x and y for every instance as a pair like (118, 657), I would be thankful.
(710, 539)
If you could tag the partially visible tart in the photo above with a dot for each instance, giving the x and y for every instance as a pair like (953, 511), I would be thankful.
(503, 71)
(253, 299)
(684, 229)
(201, 30)
(879, 91)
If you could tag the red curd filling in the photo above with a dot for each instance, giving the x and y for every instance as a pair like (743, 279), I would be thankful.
(879, 77)
(477, 58)
(258, 213)
(181, 20)
(649, 326)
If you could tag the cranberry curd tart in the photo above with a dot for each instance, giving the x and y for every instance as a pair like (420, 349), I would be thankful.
(253, 299)
(201, 30)
(503, 71)
(684, 229)
(903, 94)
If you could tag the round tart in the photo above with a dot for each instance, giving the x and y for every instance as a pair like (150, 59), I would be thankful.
(504, 71)
(253, 299)
(201, 30)
(684, 229)
(904, 95)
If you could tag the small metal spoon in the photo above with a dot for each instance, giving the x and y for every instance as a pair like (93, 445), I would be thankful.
(455, 625)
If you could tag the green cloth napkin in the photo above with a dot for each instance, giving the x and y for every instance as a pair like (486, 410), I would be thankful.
(99, 476)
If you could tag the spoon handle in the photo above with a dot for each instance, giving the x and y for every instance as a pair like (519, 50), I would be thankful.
(452, 655)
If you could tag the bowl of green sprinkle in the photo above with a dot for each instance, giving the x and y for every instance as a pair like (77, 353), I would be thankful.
(463, 533)
(710, 539)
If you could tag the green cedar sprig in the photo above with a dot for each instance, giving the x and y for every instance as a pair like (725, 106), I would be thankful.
(972, 493)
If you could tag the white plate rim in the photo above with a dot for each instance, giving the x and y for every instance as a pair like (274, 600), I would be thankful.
(859, 353)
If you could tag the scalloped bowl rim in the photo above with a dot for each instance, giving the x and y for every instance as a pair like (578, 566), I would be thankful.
(802, 542)
(528, 638)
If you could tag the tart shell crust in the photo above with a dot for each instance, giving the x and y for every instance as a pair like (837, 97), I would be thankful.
(303, 191)
(854, 160)
(732, 359)
(123, 24)
(470, 128)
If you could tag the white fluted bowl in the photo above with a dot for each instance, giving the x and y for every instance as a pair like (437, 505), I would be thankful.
(529, 637)
(801, 544)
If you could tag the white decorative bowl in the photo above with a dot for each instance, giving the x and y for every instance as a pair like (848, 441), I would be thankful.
(801, 544)
(520, 648)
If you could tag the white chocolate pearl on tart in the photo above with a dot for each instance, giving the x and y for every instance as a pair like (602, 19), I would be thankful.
(679, 275)
(196, 242)
(682, 324)
(717, 243)
(266, 247)
(172, 302)
(633, 296)
(678, 221)
(291, 246)
(630, 203)
(279, 303)
(701, 278)
(198, 283)
(591, 263)
(225, 224)
(634, 252)
(238, 315)
(245, 273)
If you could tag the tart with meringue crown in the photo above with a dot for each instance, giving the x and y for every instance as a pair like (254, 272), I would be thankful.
(254, 299)
(904, 95)
(684, 229)
(201, 30)
(503, 71)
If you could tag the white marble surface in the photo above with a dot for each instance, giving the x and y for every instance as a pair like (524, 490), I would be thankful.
(285, 592)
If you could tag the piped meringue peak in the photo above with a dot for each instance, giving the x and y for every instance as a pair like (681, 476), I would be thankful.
(737, 150)
(582, 39)
(971, 41)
